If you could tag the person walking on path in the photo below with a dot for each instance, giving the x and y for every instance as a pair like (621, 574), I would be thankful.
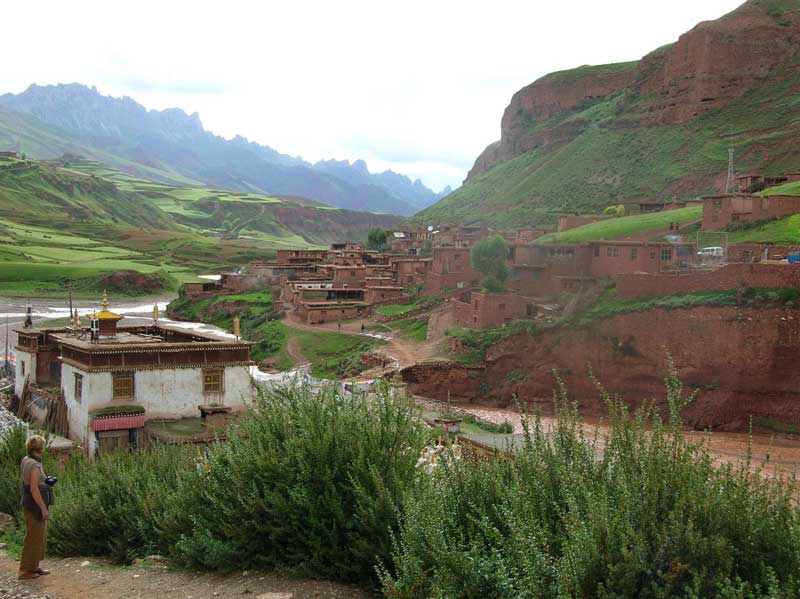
(36, 497)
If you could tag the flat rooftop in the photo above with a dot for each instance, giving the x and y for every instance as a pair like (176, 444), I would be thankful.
(147, 336)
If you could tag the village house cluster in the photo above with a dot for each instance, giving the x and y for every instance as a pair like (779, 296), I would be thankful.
(347, 281)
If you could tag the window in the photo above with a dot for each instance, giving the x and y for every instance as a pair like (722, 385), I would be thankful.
(612, 251)
(23, 367)
(476, 304)
(666, 254)
(123, 386)
(652, 255)
(212, 381)
(78, 386)
(634, 253)
(501, 307)
(597, 251)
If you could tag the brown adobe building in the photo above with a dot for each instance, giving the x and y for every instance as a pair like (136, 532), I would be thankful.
(721, 211)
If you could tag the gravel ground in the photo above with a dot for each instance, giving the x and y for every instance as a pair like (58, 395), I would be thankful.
(90, 578)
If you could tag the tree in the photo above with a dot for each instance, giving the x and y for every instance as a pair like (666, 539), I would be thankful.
(489, 257)
(376, 240)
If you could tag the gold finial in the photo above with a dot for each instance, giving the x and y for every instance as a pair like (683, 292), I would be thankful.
(236, 327)
(155, 312)
(105, 301)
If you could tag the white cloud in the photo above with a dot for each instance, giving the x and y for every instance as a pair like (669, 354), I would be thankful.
(418, 85)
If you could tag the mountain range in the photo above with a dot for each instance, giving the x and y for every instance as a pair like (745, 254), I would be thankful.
(173, 147)
(579, 140)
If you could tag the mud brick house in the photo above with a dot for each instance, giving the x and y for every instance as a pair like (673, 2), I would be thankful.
(166, 371)
(450, 269)
(753, 183)
(410, 271)
(407, 241)
(202, 289)
(458, 237)
(546, 270)
(525, 236)
(475, 309)
(326, 311)
(645, 206)
(301, 256)
(721, 211)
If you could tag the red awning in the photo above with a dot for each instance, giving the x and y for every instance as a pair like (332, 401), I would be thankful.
(115, 423)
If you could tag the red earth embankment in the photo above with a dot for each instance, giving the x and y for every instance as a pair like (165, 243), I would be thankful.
(742, 361)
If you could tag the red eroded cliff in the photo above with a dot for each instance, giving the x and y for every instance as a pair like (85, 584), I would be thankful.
(707, 68)
(743, 361)
(718, 61)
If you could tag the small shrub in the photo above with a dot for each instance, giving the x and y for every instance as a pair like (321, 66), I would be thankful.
(110, 507)
(307, 483)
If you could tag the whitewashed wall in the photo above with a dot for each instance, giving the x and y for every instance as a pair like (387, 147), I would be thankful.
(30, 367)
(168, 393)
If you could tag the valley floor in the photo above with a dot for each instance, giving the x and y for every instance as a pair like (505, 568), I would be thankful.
(70, 580)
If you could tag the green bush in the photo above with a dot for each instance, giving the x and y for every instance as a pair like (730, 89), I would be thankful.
(12, 450)
(111, 506)
(307, 483)
(644, 514)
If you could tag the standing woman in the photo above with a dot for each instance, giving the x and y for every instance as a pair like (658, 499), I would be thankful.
(36, 496)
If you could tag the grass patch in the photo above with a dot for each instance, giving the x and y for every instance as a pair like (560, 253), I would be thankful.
(614, 228)
(411, 328)
(334, 355)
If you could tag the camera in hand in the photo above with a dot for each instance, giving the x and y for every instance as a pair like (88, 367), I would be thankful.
(50, 480)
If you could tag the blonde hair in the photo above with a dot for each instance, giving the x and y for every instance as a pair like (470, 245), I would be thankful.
(35, 444)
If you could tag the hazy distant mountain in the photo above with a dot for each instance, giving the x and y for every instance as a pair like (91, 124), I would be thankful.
(396, 184)
(170, 146)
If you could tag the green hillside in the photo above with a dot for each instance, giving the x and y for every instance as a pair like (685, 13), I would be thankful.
(613, 154)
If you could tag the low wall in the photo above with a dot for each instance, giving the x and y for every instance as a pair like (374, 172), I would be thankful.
(729, 277)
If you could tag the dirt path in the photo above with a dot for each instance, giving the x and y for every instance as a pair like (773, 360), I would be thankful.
(71, 580)
(295, 353)
(775, 454)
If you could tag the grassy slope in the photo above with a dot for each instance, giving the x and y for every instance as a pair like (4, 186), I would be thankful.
(611, 160)
(627, 225)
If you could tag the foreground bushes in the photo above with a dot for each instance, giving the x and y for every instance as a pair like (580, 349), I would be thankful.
(326, 486)
(310, 483)
(644, 514)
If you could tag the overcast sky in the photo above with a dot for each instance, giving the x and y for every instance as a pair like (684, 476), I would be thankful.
(416, 86)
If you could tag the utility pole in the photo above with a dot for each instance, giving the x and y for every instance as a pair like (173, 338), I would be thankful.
(731, 175)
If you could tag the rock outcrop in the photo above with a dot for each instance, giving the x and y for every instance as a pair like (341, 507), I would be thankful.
(707, 68)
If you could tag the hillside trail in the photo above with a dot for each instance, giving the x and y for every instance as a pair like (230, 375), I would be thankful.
(70, 579)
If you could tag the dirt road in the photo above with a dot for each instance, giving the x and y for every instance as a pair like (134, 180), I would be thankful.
(775, 453)
(99, 580)
(404, 352)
